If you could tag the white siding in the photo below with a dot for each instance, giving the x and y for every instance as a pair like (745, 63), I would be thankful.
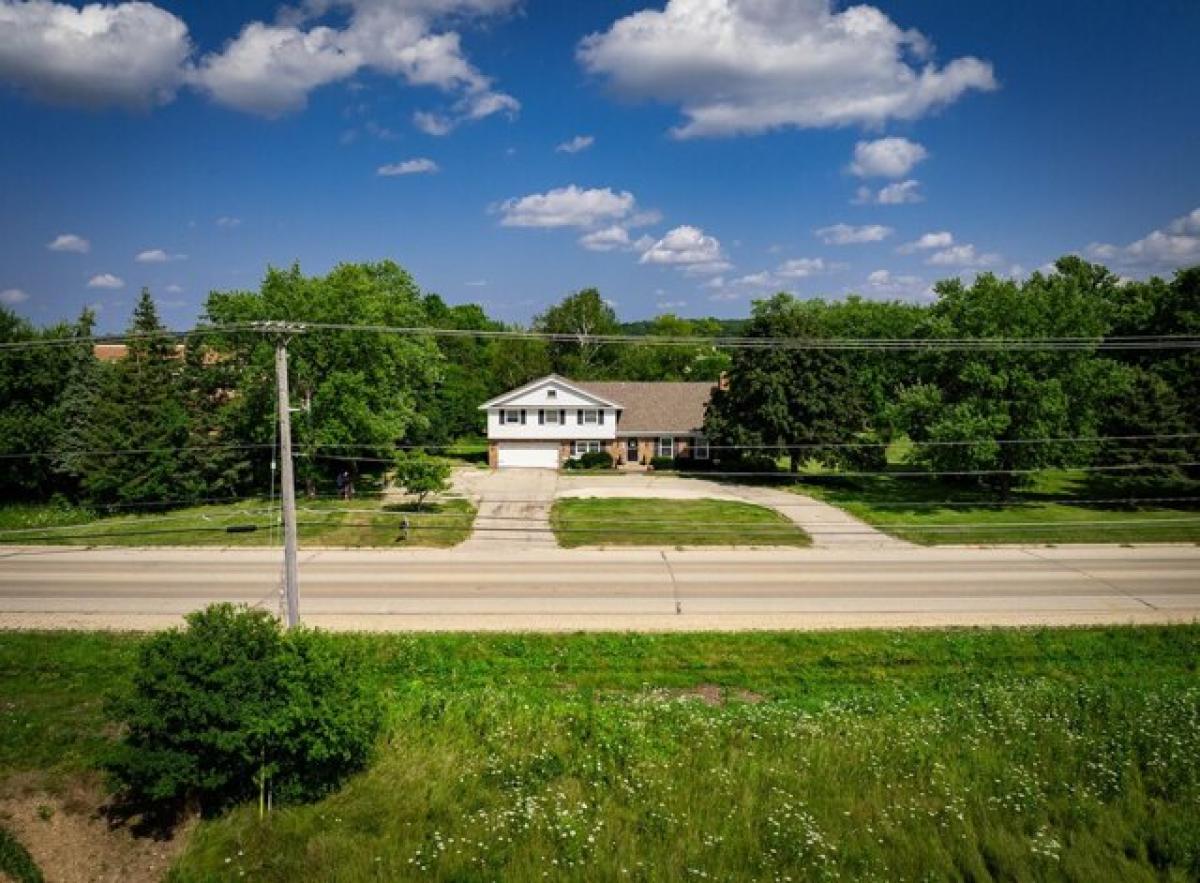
(531, 429)
(547, 395)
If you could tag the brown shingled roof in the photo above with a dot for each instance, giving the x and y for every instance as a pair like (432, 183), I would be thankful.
(654, 407)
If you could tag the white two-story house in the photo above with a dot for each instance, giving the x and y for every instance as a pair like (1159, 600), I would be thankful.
(549, 420)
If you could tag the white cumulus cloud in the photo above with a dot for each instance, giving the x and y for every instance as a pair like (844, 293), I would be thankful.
(844, 234)
(270, 68)
(106, 280)
(747, 66)
(886, 157)
(570, 206)
(157, 256)
(612, 238)
(688, 248)
(900, 193)
(885, 282)
(576, 144)
(1167, 248)
(124, 54)
(12, 296)
(928, 241)
(783, 276)
(801, 268)
(418, 166)
(69, 242)
(963, 255)
(896, 193)
(136, 54)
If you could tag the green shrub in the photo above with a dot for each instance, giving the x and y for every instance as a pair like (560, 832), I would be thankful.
(662, 462)
(592, 460)
(748, 462)
(15, 862)
(691, 464)
(231, 707)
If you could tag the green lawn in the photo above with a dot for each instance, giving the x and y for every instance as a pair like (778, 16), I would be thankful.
(621, 521)
(1056, 508)
(1047, 754)
(470, 450)
(365, 521)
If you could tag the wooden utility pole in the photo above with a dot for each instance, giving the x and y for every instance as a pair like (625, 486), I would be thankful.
(287, 479)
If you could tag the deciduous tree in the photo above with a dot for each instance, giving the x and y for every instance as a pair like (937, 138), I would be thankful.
(799, 400)
(421, 475)
(991, 404)
(582, 315)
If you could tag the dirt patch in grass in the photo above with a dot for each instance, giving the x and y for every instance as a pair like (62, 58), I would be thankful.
(73, 839)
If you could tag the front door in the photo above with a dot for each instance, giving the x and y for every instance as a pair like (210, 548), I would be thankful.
(631, 451)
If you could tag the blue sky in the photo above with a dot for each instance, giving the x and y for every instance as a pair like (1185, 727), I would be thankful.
(723, 148)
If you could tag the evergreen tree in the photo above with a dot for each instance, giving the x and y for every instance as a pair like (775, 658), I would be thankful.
(33, 382)
(79, 404)
(214, 464)
(127, 434)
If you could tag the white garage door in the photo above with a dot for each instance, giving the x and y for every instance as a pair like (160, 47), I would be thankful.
(528, 455)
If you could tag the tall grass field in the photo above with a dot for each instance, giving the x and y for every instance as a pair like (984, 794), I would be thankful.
(1049, 754)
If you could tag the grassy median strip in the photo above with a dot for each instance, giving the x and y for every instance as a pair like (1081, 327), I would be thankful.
(365, 522)
(937, 755)
(1059, 507)
(628, 521)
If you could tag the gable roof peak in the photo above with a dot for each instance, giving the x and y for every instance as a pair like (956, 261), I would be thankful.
(549, 379)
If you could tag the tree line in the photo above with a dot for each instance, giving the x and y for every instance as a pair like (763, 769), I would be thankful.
(195, 419)
(981, 415)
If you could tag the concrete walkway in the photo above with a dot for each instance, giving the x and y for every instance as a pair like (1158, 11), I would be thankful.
(828, 525)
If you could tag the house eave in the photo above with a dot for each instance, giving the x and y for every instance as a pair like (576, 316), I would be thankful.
(500, 400)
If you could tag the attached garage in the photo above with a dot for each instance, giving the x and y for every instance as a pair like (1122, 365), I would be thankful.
(527, 455)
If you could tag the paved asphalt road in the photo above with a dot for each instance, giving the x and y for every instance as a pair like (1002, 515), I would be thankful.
(635, 589)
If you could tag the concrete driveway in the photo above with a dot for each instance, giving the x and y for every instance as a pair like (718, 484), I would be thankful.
(826, 524)
(514, 505)
(514, 508)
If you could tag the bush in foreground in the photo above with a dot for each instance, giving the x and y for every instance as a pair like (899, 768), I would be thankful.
(232, 708)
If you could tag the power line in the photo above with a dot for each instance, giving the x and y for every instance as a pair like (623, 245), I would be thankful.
(229, 529)
(105, 452)
(932, 473)
(818, 343)
(120, 522)
(744, 530)
(451, 450)
(867, 529)
(568, 524)
(996, 344)
(126, 336)
(272, 516)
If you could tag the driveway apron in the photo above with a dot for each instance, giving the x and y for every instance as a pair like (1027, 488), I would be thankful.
(514, 508)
